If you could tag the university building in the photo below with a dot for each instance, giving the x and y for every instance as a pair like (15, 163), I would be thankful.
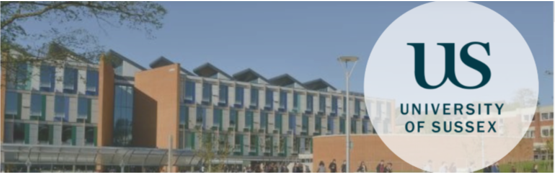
(117, 114)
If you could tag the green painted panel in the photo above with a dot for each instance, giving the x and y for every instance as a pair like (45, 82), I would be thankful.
(89, 111)
(19, 103)
(73, 135)
(27, 132)
(43, 108)
(51, 134)
(95, 137)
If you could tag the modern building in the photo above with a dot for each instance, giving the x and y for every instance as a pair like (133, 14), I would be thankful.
(119, 114)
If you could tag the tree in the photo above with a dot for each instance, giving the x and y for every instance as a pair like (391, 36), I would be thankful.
(214, 146)
(143, 16)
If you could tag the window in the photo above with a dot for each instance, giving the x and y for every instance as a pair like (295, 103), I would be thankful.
(335, 105)
(264, 121)
(239, 96)
(47, 78)
(217, 118)
(201, 115)
(330, 126)
(83, 108)
(278, 123)
(189, 92)
(268, 144)
(254, 145)
(207, 92)
(67, 135)
(61, 107)
(547, 132)
(14, 106)
(90, 136)
(20, 78)
(269, 99)
(123, 115)
(342, 126)
(365, 126)
(45, 134)
(70, 80)
(292, 123)
(529, 133)
(92, 82)
(318, 124)
(305, 124)
(309, 103)
(322, 103)
(184, 116)
(547, 116)
(238, 141)
(249, 120)
(233, 119)
(20, 134)
(223, 95)
(36, 107)
(283, 100)
(527, 117)
(254, 97)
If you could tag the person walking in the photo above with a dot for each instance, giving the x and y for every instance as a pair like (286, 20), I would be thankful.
(443, 168)
(321, 168)
(428, 167)
(380, 167)
(362, 167)
(535, 169)
(388, 168)
(495, 168)
(488, 168)
(344, 168)
(332, 166)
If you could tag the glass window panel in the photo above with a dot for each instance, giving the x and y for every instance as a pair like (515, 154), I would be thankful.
(254, 97)
(82, 108)
(19, 133)
(70, 80)
(44, 133)
(36, 105)
(239, 95)
(223, 95)
(67, 133)
(269, 99)
(47, 78)
(92, 82)
(12, 103)
(189, 91)
(90, 133)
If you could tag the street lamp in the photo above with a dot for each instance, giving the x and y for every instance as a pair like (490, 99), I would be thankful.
(344, 61)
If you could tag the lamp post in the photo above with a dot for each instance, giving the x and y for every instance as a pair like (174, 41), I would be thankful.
(344, 61)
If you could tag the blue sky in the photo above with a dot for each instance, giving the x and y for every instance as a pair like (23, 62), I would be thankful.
(302, 39)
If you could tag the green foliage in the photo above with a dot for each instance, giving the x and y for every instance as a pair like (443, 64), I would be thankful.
(55, 44)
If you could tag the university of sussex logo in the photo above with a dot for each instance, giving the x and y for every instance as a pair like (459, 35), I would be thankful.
(450, 72)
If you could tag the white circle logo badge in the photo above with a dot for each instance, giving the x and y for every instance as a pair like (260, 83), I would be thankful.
(464, 83)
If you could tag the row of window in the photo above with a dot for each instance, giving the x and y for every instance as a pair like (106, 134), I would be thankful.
(49, 134)
(545, 132)
(240, 144)
(38, 107)
(223, 93)
(544, 116)
(21, 79)
(248, 119)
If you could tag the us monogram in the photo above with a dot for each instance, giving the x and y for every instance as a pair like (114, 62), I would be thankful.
(450, 72)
